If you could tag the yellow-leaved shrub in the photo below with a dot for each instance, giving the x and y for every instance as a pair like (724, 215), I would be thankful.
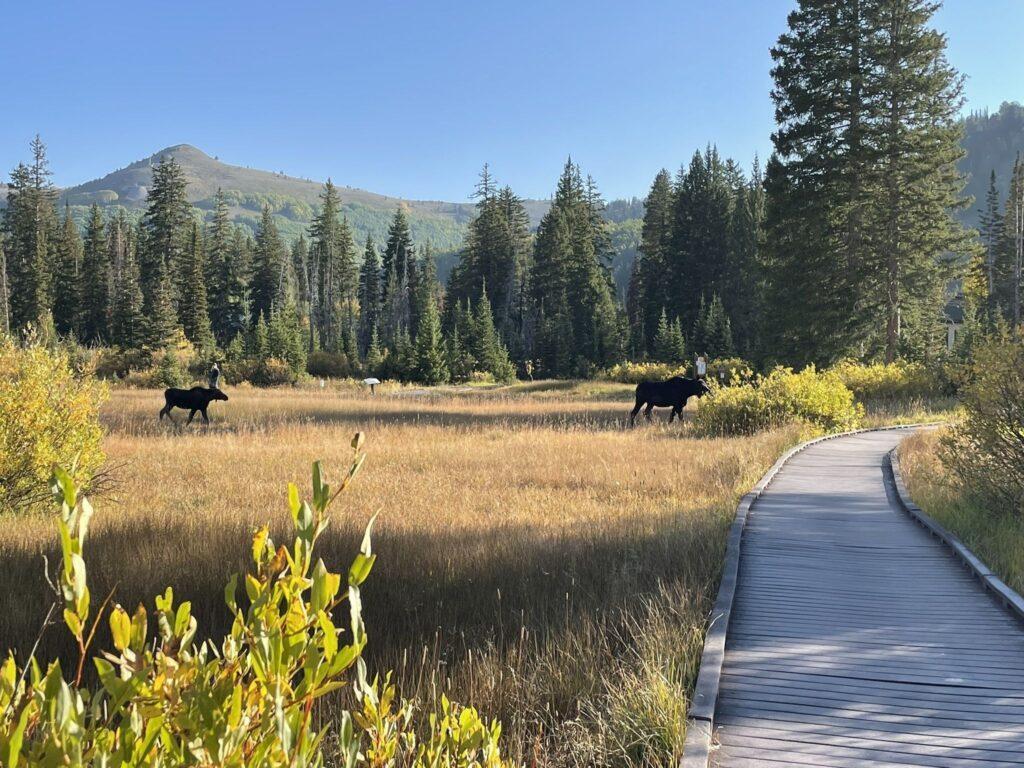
(819, 399)
(634, 373)
(49, 417)
(900, 380)
(165, 699)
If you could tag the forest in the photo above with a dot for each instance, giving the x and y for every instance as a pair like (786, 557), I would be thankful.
(854, 252)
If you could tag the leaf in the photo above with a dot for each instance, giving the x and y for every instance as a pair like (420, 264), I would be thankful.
(294, 503)
(330, 635)
(73, 622)
(139, 628)
(259, 544)
(120, 627)
(360, 569)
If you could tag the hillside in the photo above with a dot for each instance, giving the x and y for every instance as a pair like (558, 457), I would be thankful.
(992, 142)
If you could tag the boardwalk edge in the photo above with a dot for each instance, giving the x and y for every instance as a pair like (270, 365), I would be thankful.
(700, 716)
(1009, 598)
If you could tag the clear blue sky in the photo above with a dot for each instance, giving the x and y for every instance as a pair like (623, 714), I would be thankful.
(411, 98)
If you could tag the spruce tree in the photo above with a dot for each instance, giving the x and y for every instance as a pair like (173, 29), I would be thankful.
(430, 364)
(160, 321)
(127, 327)
(369, 295)
(487, 348)
(652, 283)
(570, 282)
(990, 229)
(333, 281)
(30, 224)
(96, 277)
(398, 250)
(167, 226)
(224, 284)
(67, 284)
(195, 314)
(269, 284)
(916, 96)
(1009, 270)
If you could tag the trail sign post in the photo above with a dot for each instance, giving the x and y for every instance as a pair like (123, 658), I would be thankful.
(702, 367)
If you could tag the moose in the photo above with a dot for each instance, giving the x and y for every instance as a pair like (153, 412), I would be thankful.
(667, 394)
(195, 400)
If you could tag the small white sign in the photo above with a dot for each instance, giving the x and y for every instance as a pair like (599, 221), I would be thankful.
(702, 367)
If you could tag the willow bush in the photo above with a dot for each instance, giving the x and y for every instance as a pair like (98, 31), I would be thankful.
(49, 416)
(816, 398)
(900, 380)
(164, 699)
(985, 449)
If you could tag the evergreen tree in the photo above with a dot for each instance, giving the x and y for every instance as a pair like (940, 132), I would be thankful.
(374, 357)
(398, 251)
(167, 225)
(160, 322)
(333, 273)
(990, 229)
(30, 226)
(369, 295)
(916, 99)
(300, 272)
(487, 348)
(1009, 270)
(226, 278)
(127, 327)
(743, 280)
(67, 288)
(669, 344)
(570, 283)
(431, 366)
(650, 294)
(95, 284)
(258, 342)
(712, 332)
(698, 254)
(195, 314)
(269, 285)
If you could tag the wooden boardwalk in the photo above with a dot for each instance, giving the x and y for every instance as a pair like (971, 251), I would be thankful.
(856, 639)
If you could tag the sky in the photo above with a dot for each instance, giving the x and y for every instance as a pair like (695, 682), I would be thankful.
(410, 99)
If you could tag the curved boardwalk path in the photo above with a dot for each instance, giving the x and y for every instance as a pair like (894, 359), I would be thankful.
(856, 638)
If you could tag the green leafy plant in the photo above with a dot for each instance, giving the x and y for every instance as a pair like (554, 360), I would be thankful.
(818, 399)
(164, 699)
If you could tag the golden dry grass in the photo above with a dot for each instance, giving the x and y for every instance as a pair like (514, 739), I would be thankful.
(536, 558)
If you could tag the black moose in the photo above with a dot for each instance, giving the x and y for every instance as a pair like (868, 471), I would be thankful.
(667, 394)
(195, 399)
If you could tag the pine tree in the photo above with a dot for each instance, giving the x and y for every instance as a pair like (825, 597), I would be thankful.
(300, 272)
(30, 225)
(916, 95)
(94, 288)
(651, 292)
(258, 343)
(398, 251)
(374, 358)
(195, 314)
(333, 281)
(698, 253)
(712, 332)
(225, 282)
(570, 282)
(669, 346)
(67, 288)
(160, 321)
(127, 327)
(742, 287)
(431, 366)
(990, 229)
(167, 225)
(369, 295)
(490, 353)
(269, 286)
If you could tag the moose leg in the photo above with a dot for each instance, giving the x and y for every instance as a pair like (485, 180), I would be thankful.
(191, 416)
(635, 411)
(166, 411)
(205, 417)
(676, 413)
(647, 411)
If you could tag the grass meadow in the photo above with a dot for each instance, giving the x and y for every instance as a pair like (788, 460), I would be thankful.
(998, 539)
(536, 558)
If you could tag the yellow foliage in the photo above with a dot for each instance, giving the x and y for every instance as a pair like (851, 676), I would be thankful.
(819, 399)
(900, 380)
(49, 417)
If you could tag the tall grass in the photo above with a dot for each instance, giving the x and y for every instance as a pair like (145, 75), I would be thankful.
(998, 539)
(535, 559)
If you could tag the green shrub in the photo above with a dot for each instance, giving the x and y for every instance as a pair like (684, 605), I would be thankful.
(901, 380)
(164, 699)
(634, 373)
(818, 399)
(49, 416)
(730, 370)
(985, 449)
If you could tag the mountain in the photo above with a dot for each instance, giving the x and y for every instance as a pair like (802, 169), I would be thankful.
(293, 201)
